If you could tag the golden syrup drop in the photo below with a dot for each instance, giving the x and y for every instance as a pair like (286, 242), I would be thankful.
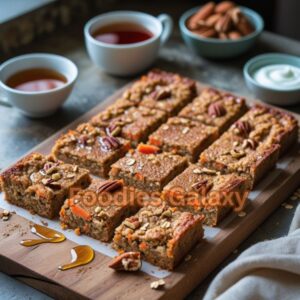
(46, 234)
(81, 255)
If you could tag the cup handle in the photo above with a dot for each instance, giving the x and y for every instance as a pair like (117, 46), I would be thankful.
(3, 99)
(167, 24)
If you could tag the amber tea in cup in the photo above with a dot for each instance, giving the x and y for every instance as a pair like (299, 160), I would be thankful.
(122, 33)
(36, 80)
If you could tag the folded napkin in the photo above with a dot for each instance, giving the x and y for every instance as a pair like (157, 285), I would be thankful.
(267, 270)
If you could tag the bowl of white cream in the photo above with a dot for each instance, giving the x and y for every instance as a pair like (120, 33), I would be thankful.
(274, 78)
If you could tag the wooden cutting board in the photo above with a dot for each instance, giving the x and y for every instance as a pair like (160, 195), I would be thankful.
(37, 266)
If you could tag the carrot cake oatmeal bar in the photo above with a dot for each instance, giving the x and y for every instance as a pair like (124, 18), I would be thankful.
(134, 124)
(269, 126)
(234, 153)
(163, 235)
(99, 209)
(91, 148)
(207, 192)
(184, 137)
(162, 90)
(147, 170)
(41, 184)
(215, 108)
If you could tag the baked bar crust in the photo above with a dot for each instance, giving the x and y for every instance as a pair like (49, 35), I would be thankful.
(167, 91)
(148, 172)
(232, 153)
(134, 124)
(41, 184)
(215, 108)
(184, 137)
(99, 209)
(163, 235)
(91, 148)
(207, 192)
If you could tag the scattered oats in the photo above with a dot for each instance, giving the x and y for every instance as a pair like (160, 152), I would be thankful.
(5, 218)
(165, 225)
(6, 213)
(197, 171)
(157, 284)
(97, 209)
(188, 257)
(165, 127)
(288, 206)
(185, 130)
(242, 214)
(130, 162)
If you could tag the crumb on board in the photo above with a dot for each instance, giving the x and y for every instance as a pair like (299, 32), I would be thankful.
(157, 284)
(5, 215)
(242, 214)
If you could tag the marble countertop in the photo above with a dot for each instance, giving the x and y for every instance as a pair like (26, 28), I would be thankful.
(19, 134)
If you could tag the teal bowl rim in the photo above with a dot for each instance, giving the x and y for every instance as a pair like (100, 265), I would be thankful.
(264, 57)
(259, 26)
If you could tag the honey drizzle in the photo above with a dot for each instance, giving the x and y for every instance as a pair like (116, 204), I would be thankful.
(46, 235)
(81, 255)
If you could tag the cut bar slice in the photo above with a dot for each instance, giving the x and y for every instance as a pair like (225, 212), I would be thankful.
(163, 235)
(232, 153)
(41, 184)
(207, 192)
(162, 90)
(215, 108)
(89, 147)
(148, 172)
(269, 126)
(134, 124)
(184, 137)
(99, 209)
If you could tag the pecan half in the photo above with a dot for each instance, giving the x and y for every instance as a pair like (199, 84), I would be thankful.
(110, 186)
(203, 13)
(109, 143)
(224, 6)
(128, 261)
(216, 110)
(223, 24)
(243, 127)
(162, 94)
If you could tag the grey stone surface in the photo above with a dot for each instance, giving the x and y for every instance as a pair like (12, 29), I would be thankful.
(19, 134)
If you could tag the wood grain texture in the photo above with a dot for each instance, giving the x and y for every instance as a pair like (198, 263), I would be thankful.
(37, 266)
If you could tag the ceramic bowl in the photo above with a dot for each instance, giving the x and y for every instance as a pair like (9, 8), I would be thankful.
(217, 48)
(271, 95)
(42, 103)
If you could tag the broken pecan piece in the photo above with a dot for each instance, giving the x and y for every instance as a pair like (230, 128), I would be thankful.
(109, 143)
(202, 186)
(243, 127)
(110, 186)
(128, 261)
(216, 110)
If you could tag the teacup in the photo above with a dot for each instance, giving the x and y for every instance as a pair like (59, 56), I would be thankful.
(37, 104)
(127, 59)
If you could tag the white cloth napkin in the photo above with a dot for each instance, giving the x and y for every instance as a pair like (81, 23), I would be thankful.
(268, 270)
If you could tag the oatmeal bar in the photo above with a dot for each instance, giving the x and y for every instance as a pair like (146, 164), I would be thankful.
(184, 137)
(163, 235)
(162, 90)
(91, 148)
(41, 184)
(99, 209)
(215, 108)
(234, 153)
(148, 172)
(207, 192)
(134, 124)
(269, 126)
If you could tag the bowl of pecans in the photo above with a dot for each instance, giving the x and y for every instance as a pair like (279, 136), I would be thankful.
(220, 30)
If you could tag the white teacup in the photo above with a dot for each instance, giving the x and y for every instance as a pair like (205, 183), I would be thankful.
(37, 104)
(127, 59)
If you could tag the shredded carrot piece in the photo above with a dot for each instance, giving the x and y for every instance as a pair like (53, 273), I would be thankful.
(143, 246)
(80, 212)
(139, 176)
(147, 149)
